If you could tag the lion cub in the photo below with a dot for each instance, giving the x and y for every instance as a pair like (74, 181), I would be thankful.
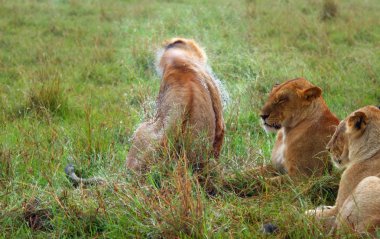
(304, 124)
(355, 146)
(189, 109)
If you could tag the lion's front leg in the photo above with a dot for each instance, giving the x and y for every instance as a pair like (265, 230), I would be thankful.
(326, 215)
(322, 211)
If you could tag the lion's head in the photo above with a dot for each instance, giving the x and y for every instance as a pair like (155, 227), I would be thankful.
(338, 146)
(363, 133)
(357, 137)
(179, 48)
(289, 103)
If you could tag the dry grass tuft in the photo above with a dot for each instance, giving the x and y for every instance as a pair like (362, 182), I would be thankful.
(6, 169)
(172, 204)
(36, 217)
(329, 10)
(48, 99)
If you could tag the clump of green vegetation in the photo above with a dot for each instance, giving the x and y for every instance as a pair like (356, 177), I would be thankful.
(329, 10)
(47, 99)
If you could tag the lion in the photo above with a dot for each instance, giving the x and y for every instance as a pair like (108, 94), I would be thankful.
(189, 108)
(355, 146)
(189, 111)
(304, 124)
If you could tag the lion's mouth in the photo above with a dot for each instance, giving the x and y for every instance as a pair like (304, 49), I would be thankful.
(275, 126)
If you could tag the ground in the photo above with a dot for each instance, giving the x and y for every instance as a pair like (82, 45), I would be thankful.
(76, 78)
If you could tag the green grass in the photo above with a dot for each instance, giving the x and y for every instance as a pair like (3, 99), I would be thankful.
(76, 77)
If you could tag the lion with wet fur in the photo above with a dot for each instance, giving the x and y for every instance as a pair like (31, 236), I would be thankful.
(189, 109)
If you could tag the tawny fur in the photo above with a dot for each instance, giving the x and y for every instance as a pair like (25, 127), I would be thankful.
(361, 210)
(357, 142)
(304, 125)
(338, 147)
(189, 109)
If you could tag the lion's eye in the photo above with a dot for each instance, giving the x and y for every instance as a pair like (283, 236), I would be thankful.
(281, 100)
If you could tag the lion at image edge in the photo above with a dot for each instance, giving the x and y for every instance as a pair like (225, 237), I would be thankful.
(355, 147)
(304, 124)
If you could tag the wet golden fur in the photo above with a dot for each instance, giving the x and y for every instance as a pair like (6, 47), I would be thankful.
(189, 109)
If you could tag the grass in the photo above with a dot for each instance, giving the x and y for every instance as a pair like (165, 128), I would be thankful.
(76, 77)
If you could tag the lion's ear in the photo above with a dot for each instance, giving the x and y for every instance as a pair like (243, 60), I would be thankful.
(357, 122)
(312, 93)
(172, 42)
(275, 86)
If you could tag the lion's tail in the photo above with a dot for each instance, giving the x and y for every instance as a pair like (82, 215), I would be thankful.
(70, 172)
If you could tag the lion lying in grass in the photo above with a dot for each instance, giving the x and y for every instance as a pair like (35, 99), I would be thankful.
(304, 124)
(355, 146)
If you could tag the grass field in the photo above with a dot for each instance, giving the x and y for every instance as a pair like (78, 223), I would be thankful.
(76, 78)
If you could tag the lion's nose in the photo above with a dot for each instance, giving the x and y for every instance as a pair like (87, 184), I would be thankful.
(264, 117)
